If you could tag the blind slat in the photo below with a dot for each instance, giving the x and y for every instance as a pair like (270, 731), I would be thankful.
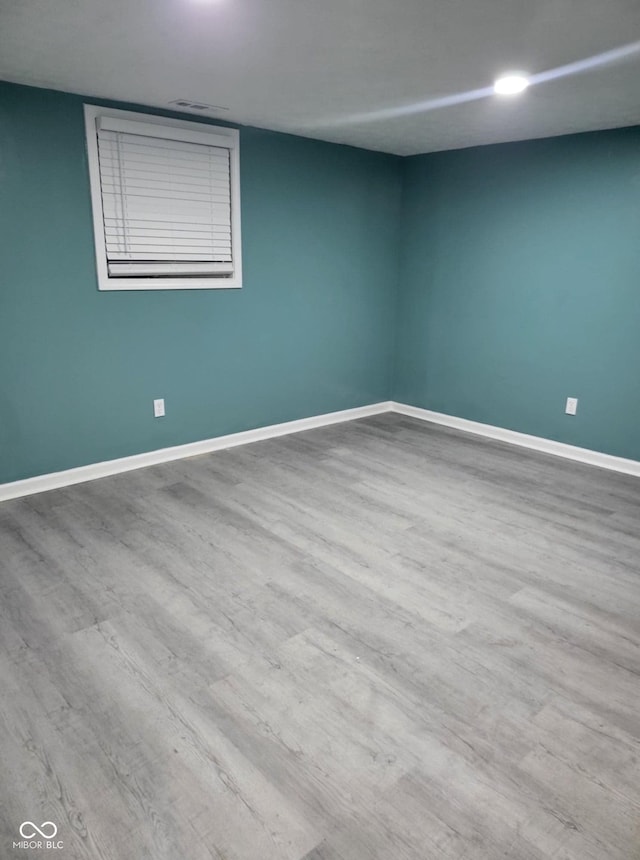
(127, 270)
(169, 257)
(169, 231)
(143, 179)
(109, 124)
(149, 161)
(192, 159)
(159, 244)
(163, 193)
(112, 138)
(200, 193)
(198, 171)
(158, 219)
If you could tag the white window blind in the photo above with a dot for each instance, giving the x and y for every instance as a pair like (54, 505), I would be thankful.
(167, 202)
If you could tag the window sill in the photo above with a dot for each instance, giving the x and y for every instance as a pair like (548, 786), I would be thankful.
(128, 284)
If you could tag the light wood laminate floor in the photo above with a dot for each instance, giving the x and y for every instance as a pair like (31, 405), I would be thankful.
(380, 640)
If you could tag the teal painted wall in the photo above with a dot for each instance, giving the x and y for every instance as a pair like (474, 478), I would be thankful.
(309, 333)
(521, 286)
(507, 280)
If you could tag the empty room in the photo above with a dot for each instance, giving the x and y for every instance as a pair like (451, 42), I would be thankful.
(320, 430)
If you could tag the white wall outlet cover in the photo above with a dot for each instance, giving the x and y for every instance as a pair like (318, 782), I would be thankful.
(158, 407)
(572, 406)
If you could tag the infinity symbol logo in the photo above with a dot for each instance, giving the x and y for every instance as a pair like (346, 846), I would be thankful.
(47, 829)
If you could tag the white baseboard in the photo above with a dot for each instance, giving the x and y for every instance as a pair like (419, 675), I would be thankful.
(536, 443)
(54, 480)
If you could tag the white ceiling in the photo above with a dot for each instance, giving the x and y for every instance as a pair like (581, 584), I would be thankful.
(313, 67)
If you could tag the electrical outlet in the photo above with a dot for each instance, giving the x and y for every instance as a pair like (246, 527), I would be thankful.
(572, 406)
(158, 408)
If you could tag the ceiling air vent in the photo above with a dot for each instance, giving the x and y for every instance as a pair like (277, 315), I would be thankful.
(200, 107)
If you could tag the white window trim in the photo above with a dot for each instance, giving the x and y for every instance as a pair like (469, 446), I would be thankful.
(197, 132)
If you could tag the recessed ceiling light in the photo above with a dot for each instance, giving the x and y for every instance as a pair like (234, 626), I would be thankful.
(510, 85)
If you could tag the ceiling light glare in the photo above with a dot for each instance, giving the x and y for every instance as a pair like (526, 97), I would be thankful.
(510, 85)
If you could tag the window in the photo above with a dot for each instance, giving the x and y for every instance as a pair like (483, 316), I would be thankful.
(166, 202)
